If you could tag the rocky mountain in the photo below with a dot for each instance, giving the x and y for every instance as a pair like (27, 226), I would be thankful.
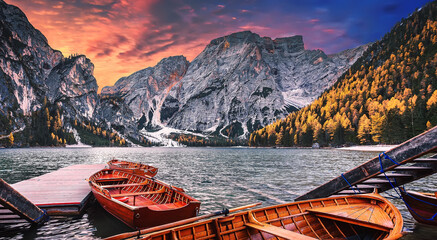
(138, 98)
(30, 71)
(237, 84)
(388, 96)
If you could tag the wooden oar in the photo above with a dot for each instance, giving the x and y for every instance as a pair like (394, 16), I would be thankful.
(178, 223)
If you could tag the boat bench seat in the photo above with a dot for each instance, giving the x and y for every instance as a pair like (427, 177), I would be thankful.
(113, 179)
(383, 224)
(271, 229)
(162, 190)
(123, 185)
(277, 231)
(167, 206)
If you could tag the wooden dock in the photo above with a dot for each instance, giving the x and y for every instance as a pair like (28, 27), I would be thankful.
(16, 209)
(400, 165)
(62, 192)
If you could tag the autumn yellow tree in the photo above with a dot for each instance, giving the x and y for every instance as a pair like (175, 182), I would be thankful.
(11, 139)
(377, 122)
(364, 130)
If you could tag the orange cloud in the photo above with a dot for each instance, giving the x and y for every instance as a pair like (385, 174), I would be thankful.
(124, 36)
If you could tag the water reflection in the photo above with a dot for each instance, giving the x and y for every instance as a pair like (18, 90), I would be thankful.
(219, 177)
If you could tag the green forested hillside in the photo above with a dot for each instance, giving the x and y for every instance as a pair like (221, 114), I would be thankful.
(388, 95)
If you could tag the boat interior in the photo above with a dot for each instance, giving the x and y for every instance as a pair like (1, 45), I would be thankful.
(137, 190)
(341, 218)
(131, 165)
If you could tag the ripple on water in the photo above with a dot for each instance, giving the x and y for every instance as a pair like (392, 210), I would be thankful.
(218, 177)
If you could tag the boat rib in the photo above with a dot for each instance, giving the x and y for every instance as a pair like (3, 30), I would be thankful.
(367, 216)
(141, 201)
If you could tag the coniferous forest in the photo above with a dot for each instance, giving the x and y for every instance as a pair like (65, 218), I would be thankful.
(46, 127)
(388, 96)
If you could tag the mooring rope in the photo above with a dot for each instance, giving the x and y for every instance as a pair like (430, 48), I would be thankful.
(44, 214)
(351, 187)
(395, 185)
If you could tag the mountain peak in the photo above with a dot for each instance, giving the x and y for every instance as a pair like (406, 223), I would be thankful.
(294, 43)
(237, 37)
(285, 44)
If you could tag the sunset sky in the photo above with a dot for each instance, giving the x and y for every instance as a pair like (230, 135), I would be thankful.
(124, 36)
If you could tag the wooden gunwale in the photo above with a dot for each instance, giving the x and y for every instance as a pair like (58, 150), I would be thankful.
(421, 206)
(272, 218)
(133, 167)
(145, 197)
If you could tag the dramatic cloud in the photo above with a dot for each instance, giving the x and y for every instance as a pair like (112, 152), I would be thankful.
(124, 36)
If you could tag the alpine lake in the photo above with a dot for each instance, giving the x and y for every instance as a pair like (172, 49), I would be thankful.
(218, 177)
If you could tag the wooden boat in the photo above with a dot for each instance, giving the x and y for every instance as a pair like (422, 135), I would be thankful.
(141, 201)
(367, 216)
(422, 206)
(131, 167)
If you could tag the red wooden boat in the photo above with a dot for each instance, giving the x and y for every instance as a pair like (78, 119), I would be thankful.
(367, 216)
(131, 167)
(140, 201)
(422, 206)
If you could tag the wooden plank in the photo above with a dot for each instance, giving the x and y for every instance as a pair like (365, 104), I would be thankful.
(10, 222)
(382, 222)
(62, 190)
(115, 179)
(404, 180)
(138, 193)
(348, 192)
(5, 211)
(123, 185)
(19, 205)
(365, 186)
(403, 153)
(395, 175)
(7, 217)
(425, 160)
(376, 181)
(277, 231)
(413, 168)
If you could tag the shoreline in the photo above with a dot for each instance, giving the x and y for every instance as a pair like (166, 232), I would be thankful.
(369, 148)
(364, 148)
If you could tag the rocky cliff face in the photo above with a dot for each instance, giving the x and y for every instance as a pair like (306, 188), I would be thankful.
(31, 70)
(238, 83)
(242, 81)
(72, 85)
(143, 93)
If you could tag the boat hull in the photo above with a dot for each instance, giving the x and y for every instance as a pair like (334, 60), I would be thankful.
(133, 168)
(139, 201)
(421, 211)
(143, 217)
(344, 217)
